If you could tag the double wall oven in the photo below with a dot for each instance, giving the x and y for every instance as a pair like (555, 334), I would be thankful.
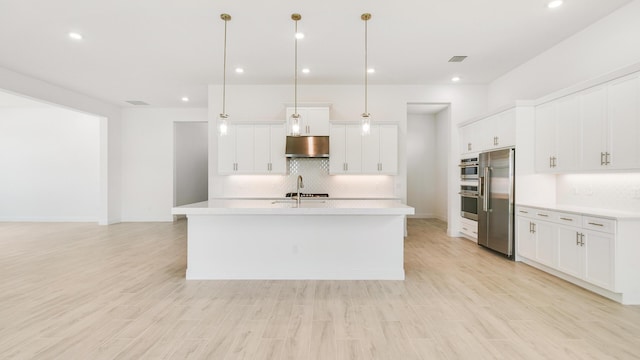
(469, 168)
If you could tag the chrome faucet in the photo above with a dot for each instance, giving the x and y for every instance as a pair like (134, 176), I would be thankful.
(298, 187)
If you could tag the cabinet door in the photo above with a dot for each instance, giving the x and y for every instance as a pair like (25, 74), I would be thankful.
(545, 234)
(262, 148)
(278, 142)
(244, 149)
(371, 151)
(353, 149)
(337, 148)
(593, 120)
(624, 122)
(227, 151)
(545, 137)
(317, 121)
(567, 133)
(526, 241)
(389, 149)
(504, 129)
(599, 257)
(570, 254)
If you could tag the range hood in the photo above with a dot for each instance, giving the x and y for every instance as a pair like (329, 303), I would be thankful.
(307, 147)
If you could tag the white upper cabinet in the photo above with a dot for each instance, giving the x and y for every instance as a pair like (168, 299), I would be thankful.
(315, 120)
(557, 135)
(623, 116)
(235, 150)
(345, 146)
(594, 129)
(252, 149)
(593, 118)
(380, 150)
(493, 132)
(270, 142)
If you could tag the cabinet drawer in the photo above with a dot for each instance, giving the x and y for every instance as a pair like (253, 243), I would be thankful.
(469, 228)
(543, 214)
(526, 212)
(568, 219)
(599, 224)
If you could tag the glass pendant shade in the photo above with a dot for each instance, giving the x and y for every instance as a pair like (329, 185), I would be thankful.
(366, 124)
(223, 124)
(295, 124)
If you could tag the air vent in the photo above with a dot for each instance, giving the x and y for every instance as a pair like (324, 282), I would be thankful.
(458, 58)
(136, 102)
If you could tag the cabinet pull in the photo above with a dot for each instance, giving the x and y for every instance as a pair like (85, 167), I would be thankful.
(595, 224)
(555, 161)
(550, 161)
(534, 227)
(524, 212)
(581, 239)
(543, 215)
(607, 158)
(566, 219)
(577, 238)
(601, 159)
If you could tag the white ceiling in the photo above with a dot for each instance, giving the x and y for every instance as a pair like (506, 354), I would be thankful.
(160, 50)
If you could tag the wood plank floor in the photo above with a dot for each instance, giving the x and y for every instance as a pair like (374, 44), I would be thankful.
(83, 291)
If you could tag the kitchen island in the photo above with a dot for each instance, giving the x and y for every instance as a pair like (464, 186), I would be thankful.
(329, 239)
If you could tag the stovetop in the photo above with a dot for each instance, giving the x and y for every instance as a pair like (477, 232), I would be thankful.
(307, 195)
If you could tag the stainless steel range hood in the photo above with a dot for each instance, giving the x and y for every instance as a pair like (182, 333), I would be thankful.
(307, 147)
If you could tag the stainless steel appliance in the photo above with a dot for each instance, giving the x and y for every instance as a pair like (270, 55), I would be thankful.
(307, 147)
(496, 197)
(469, 201)
(469, 169)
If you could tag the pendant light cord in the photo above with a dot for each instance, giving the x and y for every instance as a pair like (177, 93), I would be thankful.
(295, 86)
(366, 70)
(224, 71)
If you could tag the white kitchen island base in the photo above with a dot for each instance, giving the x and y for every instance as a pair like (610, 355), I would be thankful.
(312, 242)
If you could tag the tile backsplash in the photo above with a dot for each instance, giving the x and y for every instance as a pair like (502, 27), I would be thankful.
(620, 191)
(315, 173)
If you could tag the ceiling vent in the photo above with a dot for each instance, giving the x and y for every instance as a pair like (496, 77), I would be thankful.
(136, 102)
(458, 58)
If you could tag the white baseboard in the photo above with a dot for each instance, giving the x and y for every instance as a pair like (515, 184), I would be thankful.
(168, 218)
(48, 219)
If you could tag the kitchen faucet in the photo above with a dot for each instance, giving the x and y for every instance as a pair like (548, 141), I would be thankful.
(300, 185)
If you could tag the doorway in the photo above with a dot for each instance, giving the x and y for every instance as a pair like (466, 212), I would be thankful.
(190, 170)
(427, 156)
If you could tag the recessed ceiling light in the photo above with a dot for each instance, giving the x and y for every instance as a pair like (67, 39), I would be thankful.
(75, 36)
(299, 35)
(455, 78)
(554, 4)
(306, 70)
(371, 70)
(185, 99)
(239, 70)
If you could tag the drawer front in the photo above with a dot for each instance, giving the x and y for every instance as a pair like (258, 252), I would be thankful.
(469, 228)
(543, 214)
(599, 224)
(568, 219)
(525, 211)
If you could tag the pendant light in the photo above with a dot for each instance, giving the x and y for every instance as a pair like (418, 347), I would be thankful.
(296, 119)
(222, 118)
(366, 117)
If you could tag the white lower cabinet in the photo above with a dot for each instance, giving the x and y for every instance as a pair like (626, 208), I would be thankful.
(469, 228)
(583, 247)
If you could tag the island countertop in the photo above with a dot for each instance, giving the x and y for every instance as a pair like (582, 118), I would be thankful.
(288, 206)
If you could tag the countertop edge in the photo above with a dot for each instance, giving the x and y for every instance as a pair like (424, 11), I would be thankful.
(603, 213)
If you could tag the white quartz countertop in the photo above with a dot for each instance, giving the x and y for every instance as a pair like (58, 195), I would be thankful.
(288, 206)
(605, 213)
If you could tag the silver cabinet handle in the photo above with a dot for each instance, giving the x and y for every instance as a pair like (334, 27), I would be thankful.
(543, 215)
(607, 158)
(524, 212)
(555, 161)
(581, 239)
(577, 238)
(530, 227)
(595, 224)
(566, 219)
(534, 227)
(485, 198)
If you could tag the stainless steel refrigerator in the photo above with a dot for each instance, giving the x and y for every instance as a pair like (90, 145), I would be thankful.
(496, 200)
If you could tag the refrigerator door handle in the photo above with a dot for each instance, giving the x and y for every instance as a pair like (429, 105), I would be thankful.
(487, 180)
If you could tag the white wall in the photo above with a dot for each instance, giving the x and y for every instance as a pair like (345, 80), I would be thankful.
(50, 161)
(110, 119)
(616, 191)
(147, 162)
(603, 47)
(191, 176)
(386, 103)
(421, 164)
(442, 179)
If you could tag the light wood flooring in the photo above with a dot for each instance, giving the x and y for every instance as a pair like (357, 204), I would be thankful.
(83, 291)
